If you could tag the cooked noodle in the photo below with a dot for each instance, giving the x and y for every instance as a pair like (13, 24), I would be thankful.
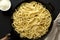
(31, 20)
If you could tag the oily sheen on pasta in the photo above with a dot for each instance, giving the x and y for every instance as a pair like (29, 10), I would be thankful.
(31, 20)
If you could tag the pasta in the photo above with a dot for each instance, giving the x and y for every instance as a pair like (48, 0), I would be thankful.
(31, 20)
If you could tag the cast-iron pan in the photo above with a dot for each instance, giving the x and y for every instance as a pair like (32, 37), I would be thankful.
(48, 6)
(8, 21)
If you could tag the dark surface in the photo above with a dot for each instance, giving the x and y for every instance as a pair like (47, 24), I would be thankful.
(5, 17)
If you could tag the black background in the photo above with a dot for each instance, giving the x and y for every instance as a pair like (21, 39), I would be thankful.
(5, 17)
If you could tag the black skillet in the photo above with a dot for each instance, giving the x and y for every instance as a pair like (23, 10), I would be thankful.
(6, 17)
(49, 7)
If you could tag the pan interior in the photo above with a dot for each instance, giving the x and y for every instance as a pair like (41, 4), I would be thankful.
(33, 15)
